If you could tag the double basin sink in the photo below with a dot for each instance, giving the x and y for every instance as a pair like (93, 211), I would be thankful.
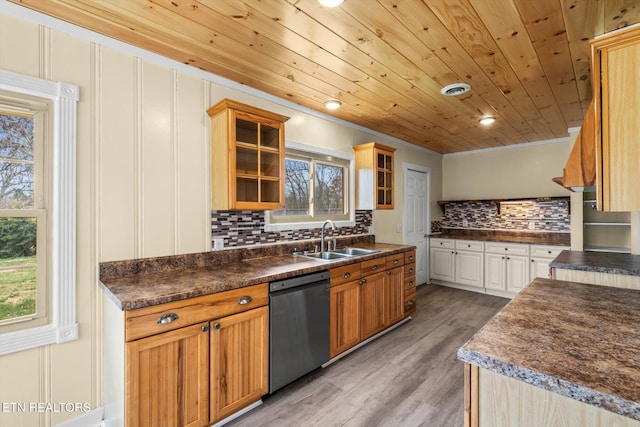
(338, 254)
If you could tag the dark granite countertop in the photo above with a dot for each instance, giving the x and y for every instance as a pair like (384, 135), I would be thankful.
(580, 341)
(141, 283)
(533, 237)
(600, 262)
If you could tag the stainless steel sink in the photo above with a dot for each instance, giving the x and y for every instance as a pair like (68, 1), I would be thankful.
(356, 251)
(339, 254)
(328, 256)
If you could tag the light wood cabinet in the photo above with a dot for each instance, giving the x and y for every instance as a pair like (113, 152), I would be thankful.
(410, 301)
(394, 296)
(345, 317)
(199, 373)
(247, 157)
(373, 304)
(366, 298)
(374, 176)
(168, 379)
(616, 60)
(239, 361)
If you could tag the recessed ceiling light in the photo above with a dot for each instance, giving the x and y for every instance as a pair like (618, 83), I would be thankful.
(487, 120)
(330, 3)
(332, 104)
(455, 89)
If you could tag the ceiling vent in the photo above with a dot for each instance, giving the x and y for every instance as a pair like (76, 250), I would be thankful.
(455, 89)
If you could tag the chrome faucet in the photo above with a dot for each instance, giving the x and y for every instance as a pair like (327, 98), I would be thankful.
(324, 224)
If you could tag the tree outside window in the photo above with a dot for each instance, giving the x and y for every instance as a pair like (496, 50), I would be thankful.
(18, 221)
(315, 189)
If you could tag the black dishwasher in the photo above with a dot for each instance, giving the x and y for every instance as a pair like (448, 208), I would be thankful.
(298, 327)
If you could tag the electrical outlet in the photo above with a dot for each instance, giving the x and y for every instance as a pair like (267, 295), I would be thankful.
(398, 228)
(465, 223)
(218, 244)
(532, 225)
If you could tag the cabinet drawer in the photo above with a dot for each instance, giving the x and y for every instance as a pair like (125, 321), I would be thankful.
(409, 257)
(442, 243)
(470, 245)
(409, 283)
(507, 248)
(345, 274)
(374, 265)
(546, 251)
(410, 270)
(396, 260)
(148, 321)
(410, 301)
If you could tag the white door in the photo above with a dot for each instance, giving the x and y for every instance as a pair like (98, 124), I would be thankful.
(416, 216)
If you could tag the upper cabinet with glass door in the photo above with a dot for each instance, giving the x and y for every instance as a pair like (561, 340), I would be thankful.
(374, 176)
(247, 157)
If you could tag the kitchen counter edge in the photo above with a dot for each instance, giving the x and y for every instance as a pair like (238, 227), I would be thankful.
(147, 289)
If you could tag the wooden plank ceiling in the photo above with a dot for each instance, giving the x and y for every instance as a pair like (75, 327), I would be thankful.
(527, 61)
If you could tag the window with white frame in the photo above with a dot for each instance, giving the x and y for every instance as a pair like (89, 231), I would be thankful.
(317, 188)
(23, 211)
(37, 212)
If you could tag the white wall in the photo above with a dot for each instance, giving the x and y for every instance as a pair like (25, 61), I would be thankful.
(517, 171)
(143, 179)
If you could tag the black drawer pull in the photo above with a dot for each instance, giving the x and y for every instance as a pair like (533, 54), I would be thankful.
(374, 268)
(346, 275)
(395, 261)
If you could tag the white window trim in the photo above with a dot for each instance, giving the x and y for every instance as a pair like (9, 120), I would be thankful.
(283, 226)
(63, 326)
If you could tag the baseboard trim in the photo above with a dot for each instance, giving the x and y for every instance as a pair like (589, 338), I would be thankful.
(94, 418)
(237, 414)
(367, 341)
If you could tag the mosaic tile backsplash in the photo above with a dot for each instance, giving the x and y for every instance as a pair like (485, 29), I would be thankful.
(533, 215)
(246, 228)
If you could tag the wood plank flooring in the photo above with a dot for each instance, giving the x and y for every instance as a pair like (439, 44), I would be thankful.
(409, 377)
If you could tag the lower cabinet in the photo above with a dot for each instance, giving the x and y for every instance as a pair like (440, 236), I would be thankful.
(168, 378)
(239, 361)
(506, 266)
(197, 374)
(345, 317)
(366, 298)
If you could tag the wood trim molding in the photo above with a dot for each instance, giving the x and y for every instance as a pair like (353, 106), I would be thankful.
(471, 402)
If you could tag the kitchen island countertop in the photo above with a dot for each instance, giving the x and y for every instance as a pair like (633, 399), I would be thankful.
(600, 262)
(574, 339)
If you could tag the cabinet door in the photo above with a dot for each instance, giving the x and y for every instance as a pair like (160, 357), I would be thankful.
(617, 58)
(168, 379)
(469, 268)
(384, 179)
(394, 296)
(239, 361)
(441, 267)
(517, 272)
(495, 271)
(373, 304)
(345, 317)
(539, 267)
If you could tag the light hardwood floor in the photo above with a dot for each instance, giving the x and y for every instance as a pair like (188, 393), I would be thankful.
(409, 377)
